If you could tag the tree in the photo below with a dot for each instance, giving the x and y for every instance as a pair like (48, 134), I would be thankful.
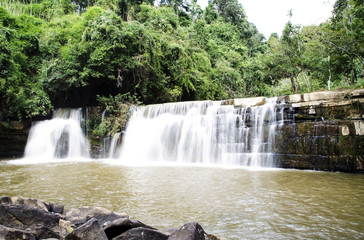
(22, 95)
(347, 38)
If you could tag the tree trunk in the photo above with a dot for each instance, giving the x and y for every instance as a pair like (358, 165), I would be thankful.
(294, 85)
(353, 70)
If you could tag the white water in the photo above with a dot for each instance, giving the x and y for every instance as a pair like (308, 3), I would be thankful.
(201, 132)
(113, 145)
(60, 137)
(204, 133)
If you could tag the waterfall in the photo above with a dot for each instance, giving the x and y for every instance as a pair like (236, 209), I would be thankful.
(206, 132)
(113, 145)
(203, 132)
(60, 137)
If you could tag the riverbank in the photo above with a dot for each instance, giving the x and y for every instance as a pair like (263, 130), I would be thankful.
(26, 218)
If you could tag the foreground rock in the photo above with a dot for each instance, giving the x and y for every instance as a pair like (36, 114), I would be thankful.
(26, 218)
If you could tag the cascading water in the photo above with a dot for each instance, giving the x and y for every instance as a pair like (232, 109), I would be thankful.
(60, 137)
(202, 132)
(113, 145)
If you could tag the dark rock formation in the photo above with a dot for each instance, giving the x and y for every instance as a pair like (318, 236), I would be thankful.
(13, 138)
(189, 231)
(24, 214)
(121, 225)
(23, 217)
(322, 131)
(89, 230)
(81, 215)
(141, 233)
(12, 233)
(30, 219)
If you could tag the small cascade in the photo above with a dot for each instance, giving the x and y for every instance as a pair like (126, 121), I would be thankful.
(203, 132)
(113, 145)
(105, 141)
(60, 137)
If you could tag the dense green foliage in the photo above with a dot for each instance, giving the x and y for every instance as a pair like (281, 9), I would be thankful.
(66, 53)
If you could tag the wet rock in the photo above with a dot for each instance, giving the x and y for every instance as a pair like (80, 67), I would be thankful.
(170, 231)
(189, 231)
(5, 199)
(45, 232)
(142, 233)
(12, 233)
(90, 230)
(13, 139)
(23, 217)
(33, 203)
(119, 226)
(81, 215)
(56, 208)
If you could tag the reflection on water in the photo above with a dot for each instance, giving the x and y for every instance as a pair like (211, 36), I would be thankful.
(232, 203)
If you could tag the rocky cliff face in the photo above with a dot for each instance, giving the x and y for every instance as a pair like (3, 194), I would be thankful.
(322, 131)
(13, 138)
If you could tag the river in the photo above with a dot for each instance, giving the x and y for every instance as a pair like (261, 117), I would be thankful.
(235, 203)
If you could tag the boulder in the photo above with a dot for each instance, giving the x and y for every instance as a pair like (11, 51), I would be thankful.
(189, 231)
(81, 215)
(33, 203)
(45, 232)
(56, 208)
(23, 217)
(142, 233)
(119, 226)
(12, 233)
(90, 230)
(5, 199)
